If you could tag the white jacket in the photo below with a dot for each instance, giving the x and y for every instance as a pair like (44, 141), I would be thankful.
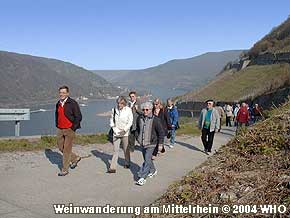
(123, 121)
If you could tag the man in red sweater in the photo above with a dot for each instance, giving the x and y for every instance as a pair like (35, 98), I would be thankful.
(67, 119)
(243, 117)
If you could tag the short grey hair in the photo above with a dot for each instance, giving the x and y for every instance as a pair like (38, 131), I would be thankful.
(147, 104)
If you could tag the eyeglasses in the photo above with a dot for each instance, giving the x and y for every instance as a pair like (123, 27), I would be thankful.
(145, 109)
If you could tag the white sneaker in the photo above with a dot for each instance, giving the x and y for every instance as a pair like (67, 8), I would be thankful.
(151, 175)
(141, 181)
(171, 146)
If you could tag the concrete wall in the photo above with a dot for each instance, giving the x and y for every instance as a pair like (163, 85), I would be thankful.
(268, 100)
(192, 109)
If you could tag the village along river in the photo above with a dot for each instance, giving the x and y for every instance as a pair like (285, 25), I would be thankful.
(43, 122)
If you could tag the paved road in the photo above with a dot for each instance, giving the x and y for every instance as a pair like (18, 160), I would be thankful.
(29, 184)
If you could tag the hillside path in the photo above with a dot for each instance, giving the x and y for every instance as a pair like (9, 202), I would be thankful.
(29, 184)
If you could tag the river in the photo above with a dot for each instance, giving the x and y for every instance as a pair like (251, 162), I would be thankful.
(43, 123)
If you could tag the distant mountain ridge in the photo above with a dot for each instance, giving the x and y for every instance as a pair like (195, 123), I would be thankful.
(175, 76)
(30, 80)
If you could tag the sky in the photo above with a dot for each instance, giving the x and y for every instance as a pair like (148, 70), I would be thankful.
(134, 34)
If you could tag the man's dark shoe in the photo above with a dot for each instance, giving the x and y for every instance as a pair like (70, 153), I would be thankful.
(63, 173)
(127, 166)
(111, 171)
(75, 164)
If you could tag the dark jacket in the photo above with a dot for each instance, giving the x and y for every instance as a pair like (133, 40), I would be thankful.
(165, 121)
(157, 133)
(136, 110)
(72, 112)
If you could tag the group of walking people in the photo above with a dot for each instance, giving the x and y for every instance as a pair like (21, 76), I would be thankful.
(149, 124)
(241, 115)
(210, 120)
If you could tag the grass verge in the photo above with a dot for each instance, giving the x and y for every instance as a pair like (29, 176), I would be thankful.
(188, 126)
(47, 142)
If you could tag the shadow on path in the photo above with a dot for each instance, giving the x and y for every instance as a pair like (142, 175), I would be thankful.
(54, 157)
(192, 147)
(134, 168)
(229, 132)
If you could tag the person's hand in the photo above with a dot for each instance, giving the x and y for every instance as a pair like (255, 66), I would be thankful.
(122, 132)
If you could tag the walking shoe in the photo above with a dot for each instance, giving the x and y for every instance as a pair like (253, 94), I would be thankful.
(171, 146)
(141, 182)
(151, 175)
(75, 164)
(127, 166)
(111, 171)
(62, 173)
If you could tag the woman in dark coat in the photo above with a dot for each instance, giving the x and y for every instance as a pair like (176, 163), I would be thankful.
(161, 113)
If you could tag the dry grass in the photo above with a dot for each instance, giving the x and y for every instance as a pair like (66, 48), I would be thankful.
(249, 82)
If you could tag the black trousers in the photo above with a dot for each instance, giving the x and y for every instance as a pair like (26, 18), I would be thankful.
(228, 121)
(207, 139)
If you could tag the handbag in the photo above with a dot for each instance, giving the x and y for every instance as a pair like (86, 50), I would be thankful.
(169, 135)
(110, 135)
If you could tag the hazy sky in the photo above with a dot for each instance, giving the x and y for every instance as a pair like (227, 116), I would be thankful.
(133, 34)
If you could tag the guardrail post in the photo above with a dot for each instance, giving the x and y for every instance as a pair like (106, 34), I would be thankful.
(16, 115)
(17, 128)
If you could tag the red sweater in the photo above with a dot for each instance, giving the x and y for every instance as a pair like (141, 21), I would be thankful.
(63, 121)
(243, 115)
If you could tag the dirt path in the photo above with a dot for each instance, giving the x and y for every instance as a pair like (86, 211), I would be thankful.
(29, 184)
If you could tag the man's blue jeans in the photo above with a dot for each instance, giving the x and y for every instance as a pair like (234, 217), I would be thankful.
(148, 165)
(172, 138)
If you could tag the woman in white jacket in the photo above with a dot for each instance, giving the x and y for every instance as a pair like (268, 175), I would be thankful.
(121, 122)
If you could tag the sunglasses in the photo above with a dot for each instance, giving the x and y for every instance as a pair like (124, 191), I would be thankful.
(145, 109)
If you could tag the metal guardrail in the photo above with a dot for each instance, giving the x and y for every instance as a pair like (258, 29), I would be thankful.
(15, 115)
